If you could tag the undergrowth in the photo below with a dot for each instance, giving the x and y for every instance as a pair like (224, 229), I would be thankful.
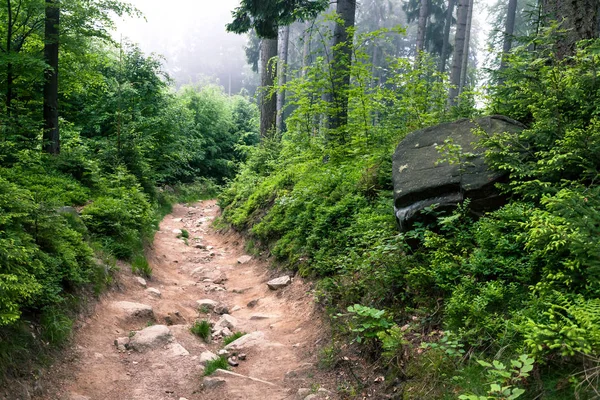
(507, 306)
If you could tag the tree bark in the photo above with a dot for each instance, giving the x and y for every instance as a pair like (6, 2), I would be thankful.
(9, 66)
(446, 41)
(422, 26)
(51, 138)
(509, 31)
(342, 61)
(282, 74)
(465, 60)
(579, 20)
(268, 99)
(462, 15)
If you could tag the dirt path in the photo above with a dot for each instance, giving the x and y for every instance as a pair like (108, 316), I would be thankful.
(284, 324)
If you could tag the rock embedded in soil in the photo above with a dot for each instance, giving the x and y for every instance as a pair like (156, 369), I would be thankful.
(211, 383)
(122, 342)
(244, 259)
(134, 310)
(141, 281)
(153, 292)
(247, 341)
(233, 361)
(208, 356)
(222, 309)
(279, 283)
(226, 321)
(179, 351)
(252, 304)
(258, 317)
(207, 304)
(150, 338)
(177, 231)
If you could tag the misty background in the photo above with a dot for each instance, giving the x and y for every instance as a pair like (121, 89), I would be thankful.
(190, 35)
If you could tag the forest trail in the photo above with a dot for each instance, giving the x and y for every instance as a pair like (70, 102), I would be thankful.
(285, 325)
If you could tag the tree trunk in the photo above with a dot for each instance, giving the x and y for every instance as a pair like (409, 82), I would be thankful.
(446, 40)
(268, 99)
(465, 60)
(9, 66)
(422, 26)
(509, 31)
(306, 49)
(282, 74)
(579, 20)
(51, 138)
(342, 60)
(462, 15)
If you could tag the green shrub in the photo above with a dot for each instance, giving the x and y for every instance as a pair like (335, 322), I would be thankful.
(202, 329)
(213, 365)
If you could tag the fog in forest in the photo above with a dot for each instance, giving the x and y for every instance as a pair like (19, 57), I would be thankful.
(191, 36)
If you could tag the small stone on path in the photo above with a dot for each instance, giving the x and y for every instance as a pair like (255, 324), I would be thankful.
(179, 350)
(244, 259)
(135, 310)
(252, 304)
(141, 281)
(226, 321)
(177, 231)
(153, 292)
(222, 309)
(249, 340)
(279, 283)
(258, 317)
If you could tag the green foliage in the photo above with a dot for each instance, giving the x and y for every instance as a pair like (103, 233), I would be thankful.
(504, 379)
(367, 322)
(140, 266)
(232, 338)
(213, 365)
(201, 329)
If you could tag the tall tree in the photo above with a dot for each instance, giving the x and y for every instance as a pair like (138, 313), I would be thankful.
(422, 26)
(284, 39)
(578, 20)
(465, 59)
(51, 134)
(509, 30)
(462, 16)
(268, 99)
(265, 17)
(446, 39)
(342, 61)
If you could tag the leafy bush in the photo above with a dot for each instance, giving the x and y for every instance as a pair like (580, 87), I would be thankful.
(213, 365)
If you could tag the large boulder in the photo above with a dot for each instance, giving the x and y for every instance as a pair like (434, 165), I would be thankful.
(421, 180)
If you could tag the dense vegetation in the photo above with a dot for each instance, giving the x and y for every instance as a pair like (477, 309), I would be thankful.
(503, 307)
(128, 143)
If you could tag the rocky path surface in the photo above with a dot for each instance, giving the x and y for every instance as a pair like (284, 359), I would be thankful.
(137, 345)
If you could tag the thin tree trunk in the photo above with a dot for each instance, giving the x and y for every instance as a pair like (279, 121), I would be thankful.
(342, 61)
(422, 26)
(268, 100)
(509, 31)
(282, 74)
(9, 66)
(446, 40)
(51, 133)
(465, 61)
(462, 15)
(306, 50)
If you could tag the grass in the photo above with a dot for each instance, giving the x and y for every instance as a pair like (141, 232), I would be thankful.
(204, 309)
(140, 266)
(185, 234)
(212, 366)
(201, 329)
(232, 338)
